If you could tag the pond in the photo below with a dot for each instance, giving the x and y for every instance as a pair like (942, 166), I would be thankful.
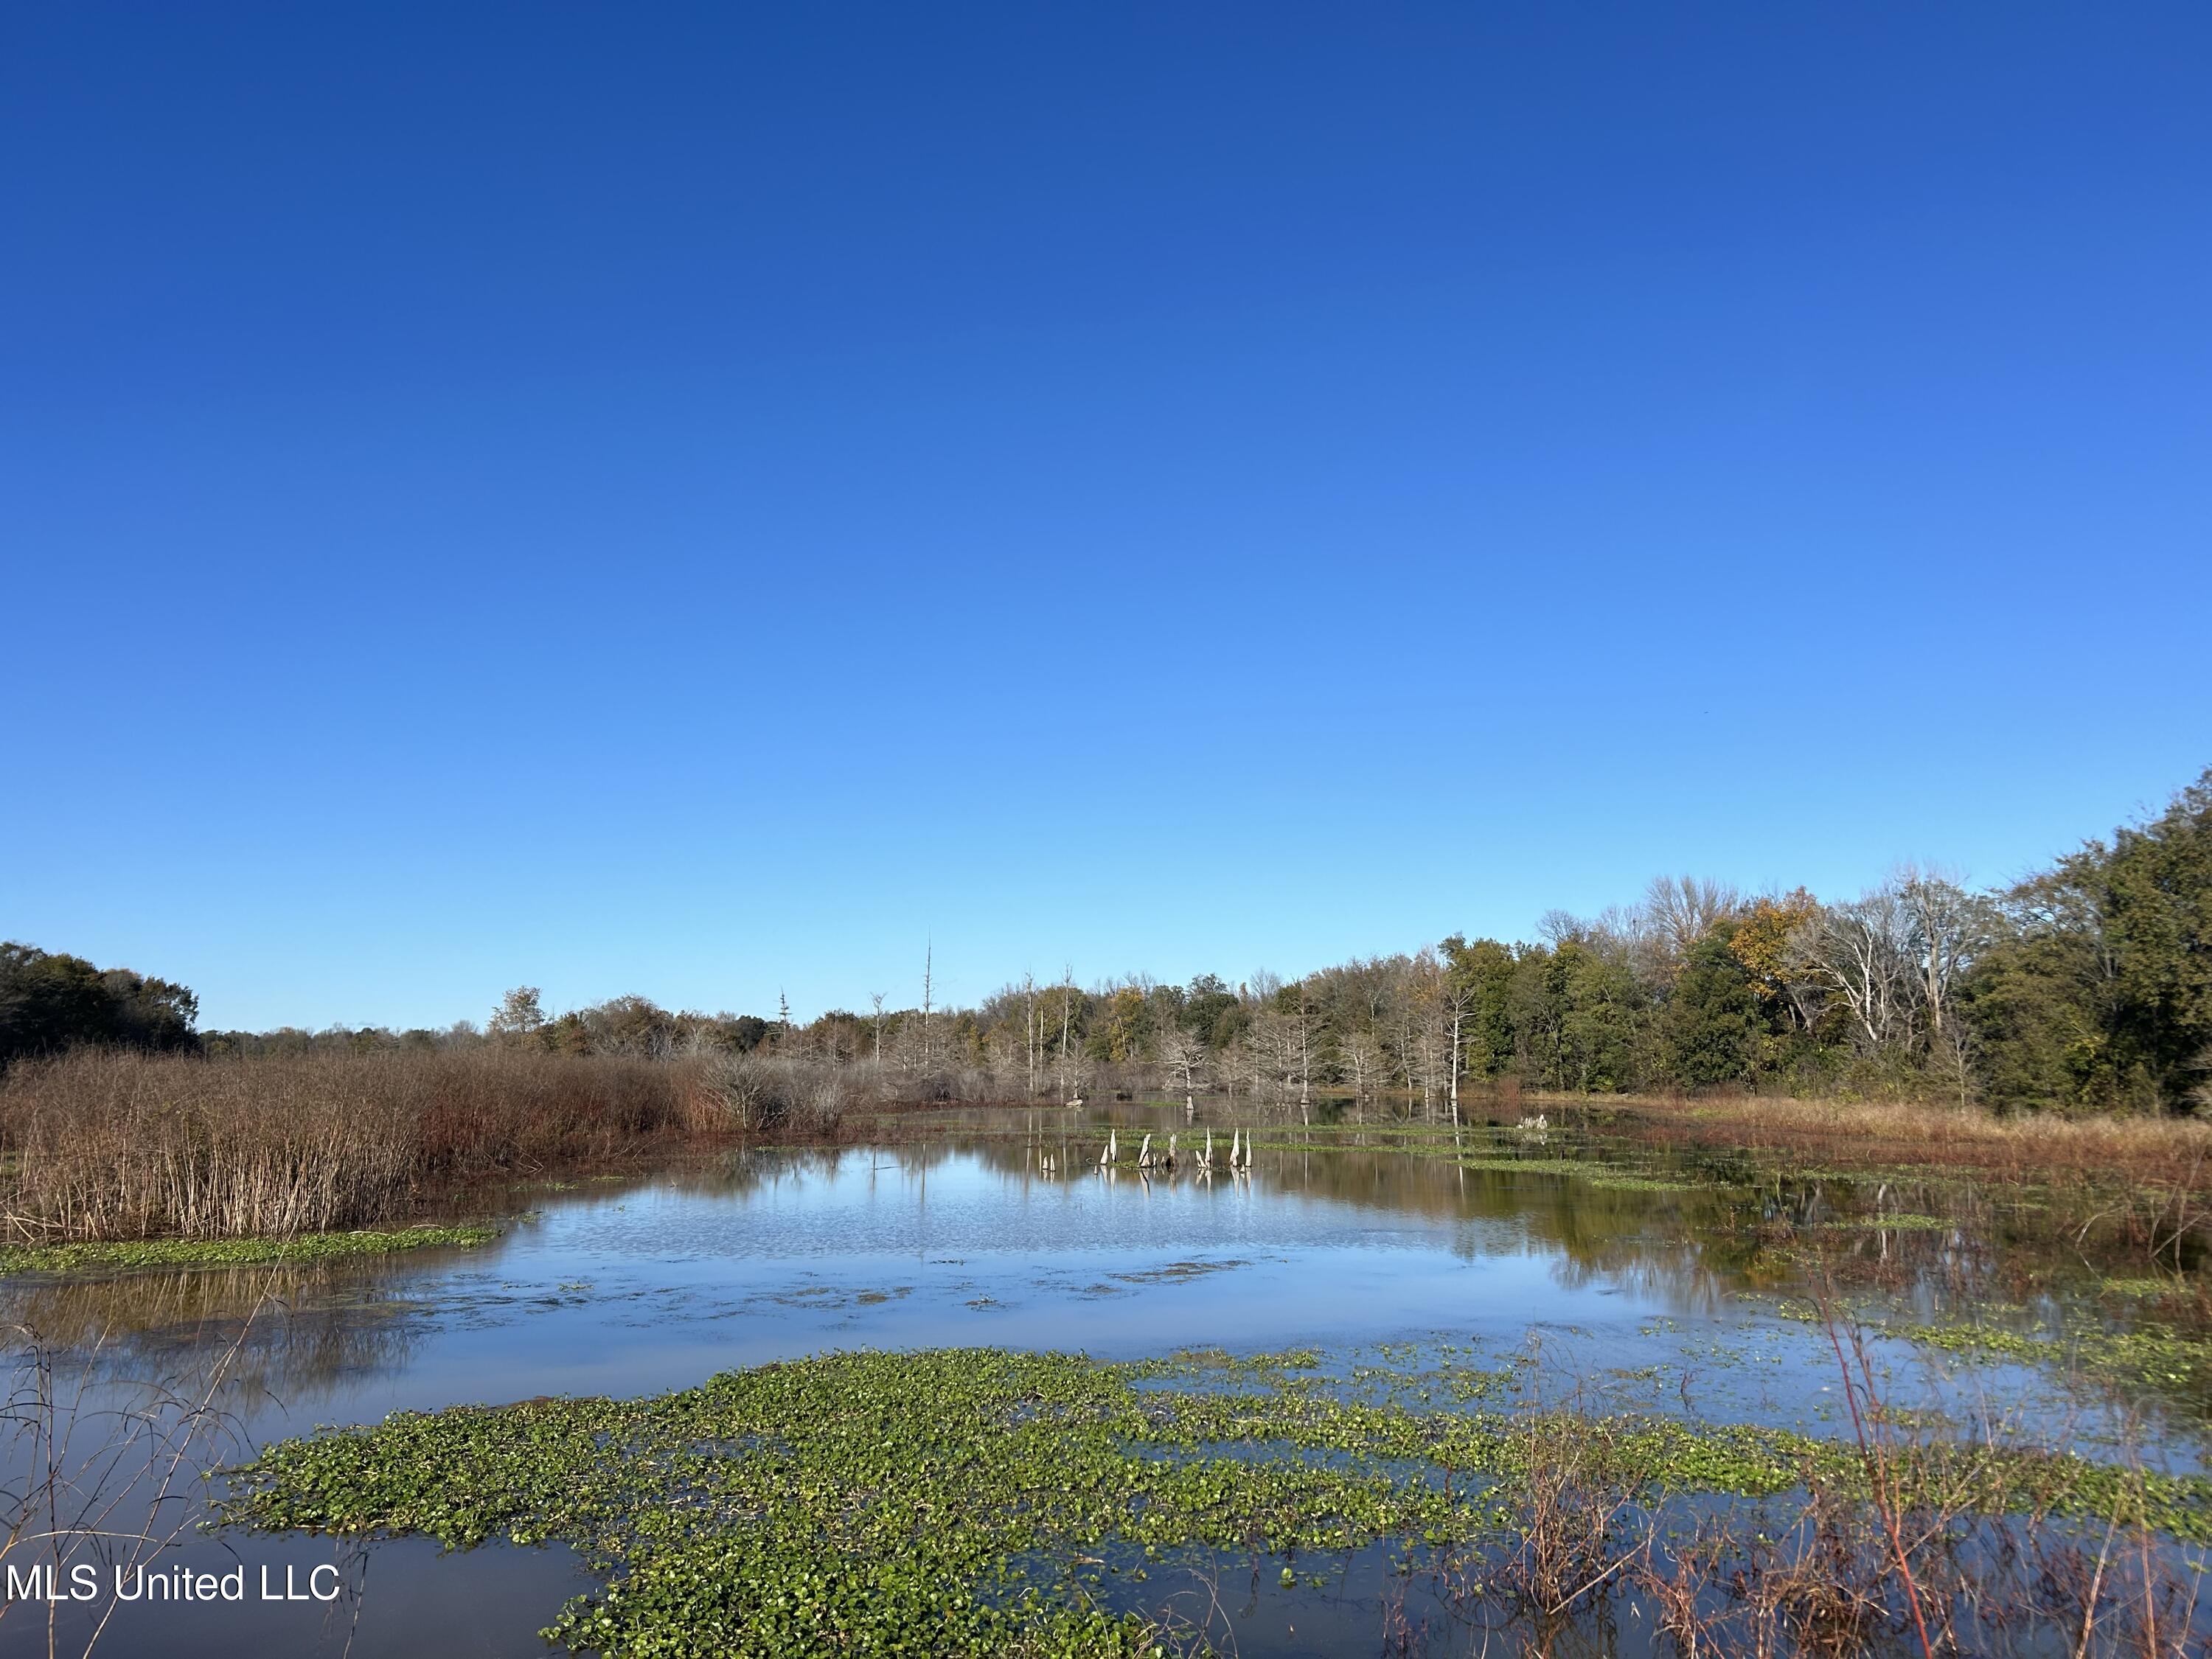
(1567, 1268)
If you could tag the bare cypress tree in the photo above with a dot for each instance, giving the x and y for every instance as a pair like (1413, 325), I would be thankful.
(1363, 1057)
(1035, 1032)
(1071, 1076)
(928, 980)
(1183, 1057)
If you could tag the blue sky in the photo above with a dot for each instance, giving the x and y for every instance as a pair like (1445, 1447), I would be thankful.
(700, 501)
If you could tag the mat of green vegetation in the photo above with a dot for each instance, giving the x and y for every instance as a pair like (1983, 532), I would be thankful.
(233, 1252)
(979, 1502)
(2156, 1357)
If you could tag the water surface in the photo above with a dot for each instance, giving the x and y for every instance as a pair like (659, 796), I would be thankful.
(1668, 1296)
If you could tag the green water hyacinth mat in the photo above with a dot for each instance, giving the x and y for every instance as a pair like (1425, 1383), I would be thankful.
(233, 1252)
(978, 1502)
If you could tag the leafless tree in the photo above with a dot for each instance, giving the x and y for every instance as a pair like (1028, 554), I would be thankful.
(1272, 1046)
(1557, 926)
(1865, 952)
(1419, 1029)
(1950, 925)
(1306, 1036)
(1456, 999)
(1363, 1060)
(1182, 1056)
(1238, 1068)
(1034, 1031)
(928, 987)
(1676, 913)
(1068, 1069)
(1071, 1070)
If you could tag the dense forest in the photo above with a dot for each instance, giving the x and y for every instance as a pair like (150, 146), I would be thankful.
(2086, 988)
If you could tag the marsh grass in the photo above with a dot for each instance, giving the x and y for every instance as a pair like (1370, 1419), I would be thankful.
(113, 1146)
(2171, 1157)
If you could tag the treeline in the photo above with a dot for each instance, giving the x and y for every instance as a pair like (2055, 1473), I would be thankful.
(51, 1002)
(2086, 988)
(626, 1025)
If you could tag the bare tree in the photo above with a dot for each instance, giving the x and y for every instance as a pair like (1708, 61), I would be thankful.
(1182, 1056)
(1457, 997)
(1036, 1031)
(1420, 1030)
(1069, 1069)
(1363, 1060)
(1951, 925)
(1865, 952)
(928, 986)
(1676, 913)
(1305, 1036)
(1557, 926)
(1273, 1047)
(1238, 1066)
(1404, 1040)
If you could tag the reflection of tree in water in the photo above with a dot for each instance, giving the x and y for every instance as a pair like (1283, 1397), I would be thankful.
(748, 1170)
(1705, 1223)
(292, 1332)
(1724, 1222)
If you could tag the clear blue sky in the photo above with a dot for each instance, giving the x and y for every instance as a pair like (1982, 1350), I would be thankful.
(698, 500)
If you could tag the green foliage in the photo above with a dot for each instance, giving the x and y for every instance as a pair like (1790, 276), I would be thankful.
(1213, 1012)
(235, 1252)
(886, 1503)
(1711, 1032)
(2151, 1356)
(2100, 997)
(49, 1002)
(1485, 969)
(1579, 1016)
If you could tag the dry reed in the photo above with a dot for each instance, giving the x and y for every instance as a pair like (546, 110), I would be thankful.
(112, 1146)
(2174, 1152)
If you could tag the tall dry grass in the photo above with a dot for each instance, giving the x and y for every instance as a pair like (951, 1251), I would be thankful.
(2172, 1151)
(112, 1146)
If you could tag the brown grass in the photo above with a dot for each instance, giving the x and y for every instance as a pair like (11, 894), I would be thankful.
(2174, 1152)
(111, 1145)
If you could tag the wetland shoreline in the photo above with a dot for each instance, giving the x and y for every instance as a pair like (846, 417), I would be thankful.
(1505, 1339)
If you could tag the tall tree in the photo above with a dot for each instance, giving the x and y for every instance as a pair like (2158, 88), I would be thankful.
(2098, 995)
(1710, 1031)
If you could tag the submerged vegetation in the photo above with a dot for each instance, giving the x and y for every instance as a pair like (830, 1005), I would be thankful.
(982, 1502)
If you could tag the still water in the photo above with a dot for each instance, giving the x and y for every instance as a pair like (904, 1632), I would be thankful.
(1658, 1292)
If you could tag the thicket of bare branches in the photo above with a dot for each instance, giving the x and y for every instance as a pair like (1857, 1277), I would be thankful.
(122, 1145)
